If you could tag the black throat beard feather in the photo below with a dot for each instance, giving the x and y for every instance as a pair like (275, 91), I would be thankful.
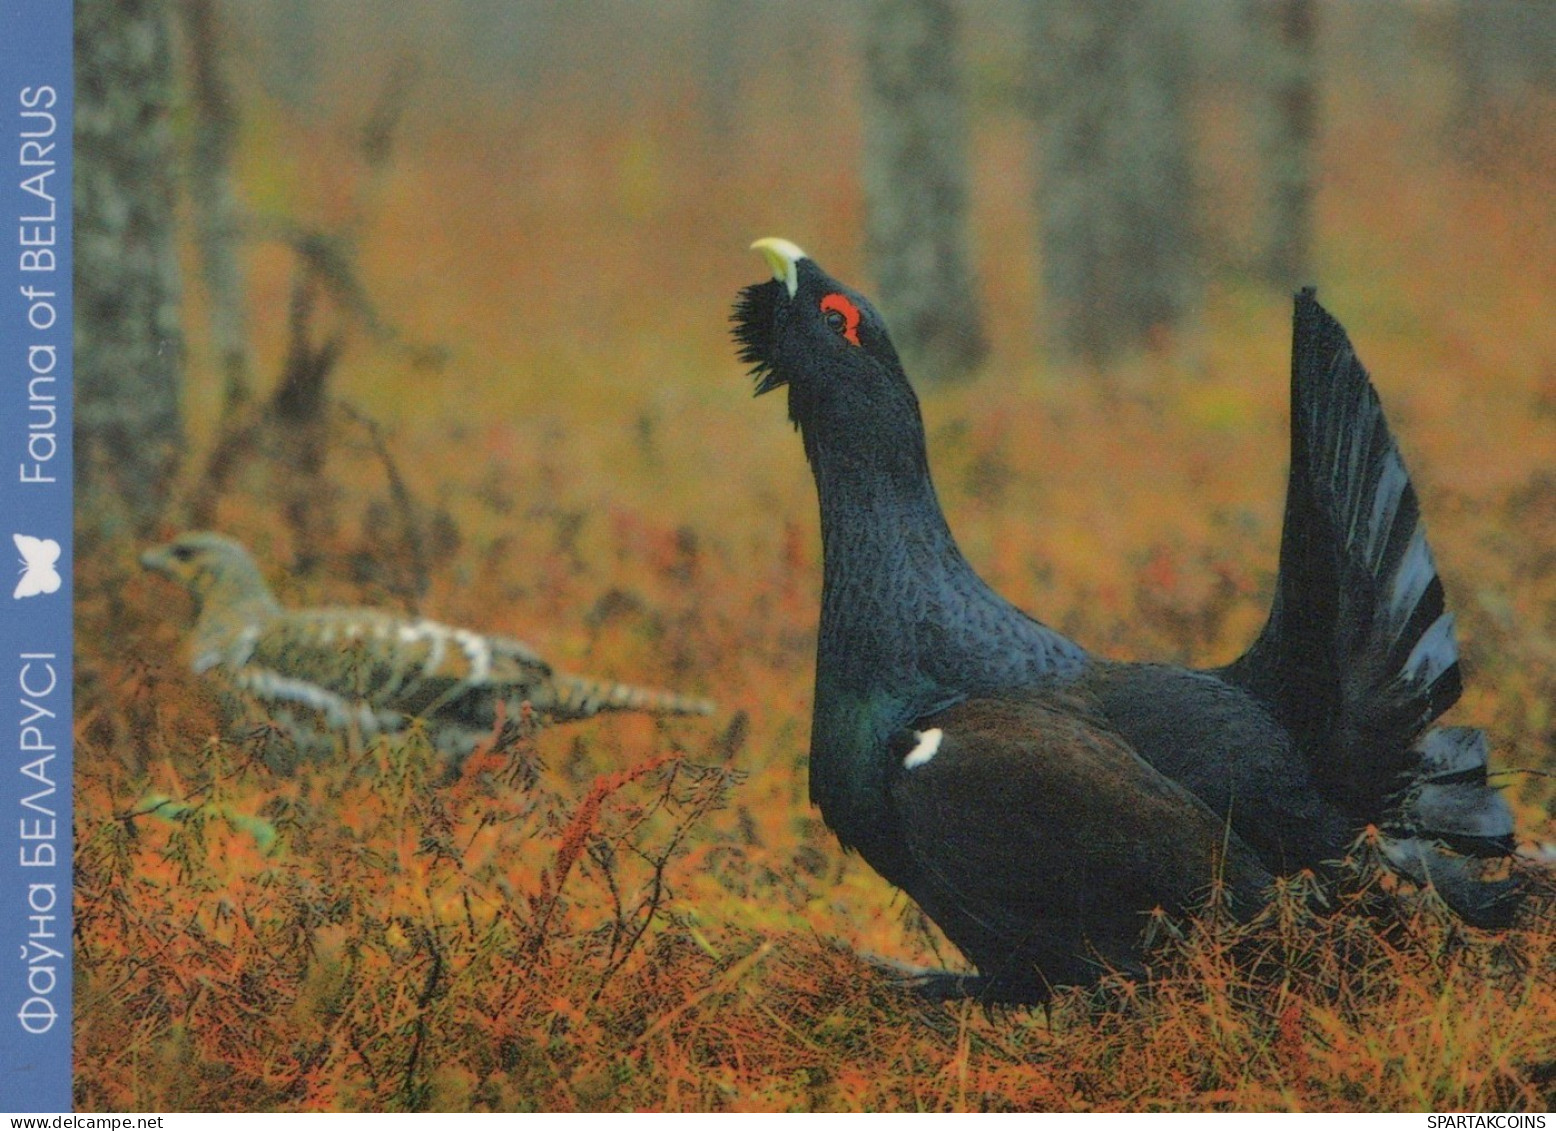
(754, 320)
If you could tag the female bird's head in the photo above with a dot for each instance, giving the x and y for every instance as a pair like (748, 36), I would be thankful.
(829, 345)
(214, 569)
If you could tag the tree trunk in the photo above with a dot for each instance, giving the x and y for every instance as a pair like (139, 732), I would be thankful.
(915, 186)
(724, 29)
(129, 346)
(1115, 185)
(294, 39)
(215, 205)
(1505, 51)
(1289, 130)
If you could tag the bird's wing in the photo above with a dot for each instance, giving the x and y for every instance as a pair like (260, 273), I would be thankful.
(1041, 837)
(372, 671)
(345, 661)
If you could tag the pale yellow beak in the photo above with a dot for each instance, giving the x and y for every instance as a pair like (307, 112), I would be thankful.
(782, 257)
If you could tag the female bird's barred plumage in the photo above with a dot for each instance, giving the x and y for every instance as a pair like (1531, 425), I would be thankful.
(1039, 802)
(321, 673)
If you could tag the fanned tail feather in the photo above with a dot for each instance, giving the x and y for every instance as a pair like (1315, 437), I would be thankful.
(1450, 798)
(1449, 822)
(1359, 657)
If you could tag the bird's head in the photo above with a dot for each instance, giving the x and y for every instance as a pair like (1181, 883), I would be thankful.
(211, 567)
(829, 345)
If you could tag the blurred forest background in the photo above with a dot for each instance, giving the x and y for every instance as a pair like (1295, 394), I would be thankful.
(426, 301)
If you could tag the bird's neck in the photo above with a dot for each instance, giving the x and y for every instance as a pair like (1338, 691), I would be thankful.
(906, 627)
(229, 610)
(885, 543)
(901, 606)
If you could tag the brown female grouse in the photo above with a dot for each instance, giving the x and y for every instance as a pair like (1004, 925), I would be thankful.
(326, 673)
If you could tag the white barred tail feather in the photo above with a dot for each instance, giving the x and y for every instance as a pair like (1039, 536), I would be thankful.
(580, 697)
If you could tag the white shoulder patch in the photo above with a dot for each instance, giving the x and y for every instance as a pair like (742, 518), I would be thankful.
(928, 746)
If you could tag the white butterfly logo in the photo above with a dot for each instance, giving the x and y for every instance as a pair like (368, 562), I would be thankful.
(38, 572)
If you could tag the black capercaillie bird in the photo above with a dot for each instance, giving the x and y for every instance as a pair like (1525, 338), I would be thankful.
(1038, 801)
(324, 673)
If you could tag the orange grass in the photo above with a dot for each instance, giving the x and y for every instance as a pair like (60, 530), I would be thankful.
(629, 914)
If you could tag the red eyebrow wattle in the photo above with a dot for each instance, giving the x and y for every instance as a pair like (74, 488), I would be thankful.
(844, 306)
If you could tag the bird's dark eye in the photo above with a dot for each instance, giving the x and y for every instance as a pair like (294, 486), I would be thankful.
(183, 553)
(841, 316)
